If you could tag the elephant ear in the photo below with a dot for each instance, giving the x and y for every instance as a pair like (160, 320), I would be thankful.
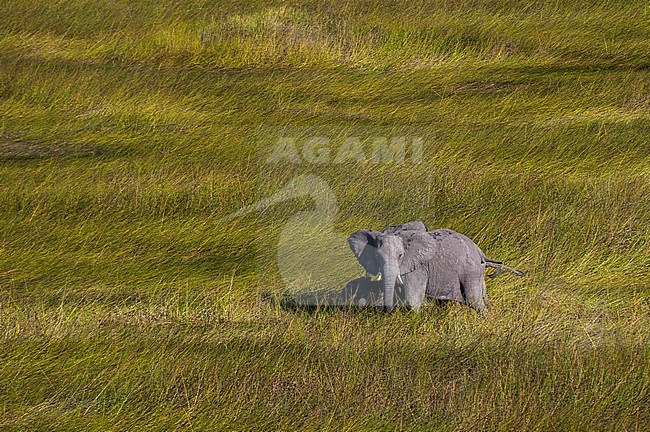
(364, 246)
(419, 248)
(407, 226)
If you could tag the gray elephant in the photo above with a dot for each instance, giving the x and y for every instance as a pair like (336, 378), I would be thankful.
(441, 264)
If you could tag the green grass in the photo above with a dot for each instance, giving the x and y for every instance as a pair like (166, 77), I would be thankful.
(128, 130)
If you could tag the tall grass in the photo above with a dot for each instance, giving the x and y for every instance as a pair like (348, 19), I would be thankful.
(128, 130)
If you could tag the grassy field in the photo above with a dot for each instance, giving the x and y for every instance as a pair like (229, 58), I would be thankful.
(129, 130)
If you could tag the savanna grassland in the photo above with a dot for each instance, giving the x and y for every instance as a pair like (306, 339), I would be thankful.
(129, 130)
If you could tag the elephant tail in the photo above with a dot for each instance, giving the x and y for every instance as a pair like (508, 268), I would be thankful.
(499, 266)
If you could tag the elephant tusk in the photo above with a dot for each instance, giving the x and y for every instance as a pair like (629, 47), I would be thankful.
(379, 277)
(399, 278)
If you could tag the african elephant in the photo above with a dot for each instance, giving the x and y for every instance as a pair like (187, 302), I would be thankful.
(441, 264)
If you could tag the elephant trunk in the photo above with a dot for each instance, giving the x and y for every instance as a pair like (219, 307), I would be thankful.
(389, 277)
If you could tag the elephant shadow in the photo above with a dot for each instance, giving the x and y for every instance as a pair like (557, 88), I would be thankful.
(361, 294)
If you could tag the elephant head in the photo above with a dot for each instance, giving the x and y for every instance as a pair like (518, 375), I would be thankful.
(390, 254)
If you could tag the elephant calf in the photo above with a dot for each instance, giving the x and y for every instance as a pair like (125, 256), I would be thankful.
(440, 265)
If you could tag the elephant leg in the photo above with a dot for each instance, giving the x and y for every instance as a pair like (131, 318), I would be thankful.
(415, 285)
(414, 299)
(484, 292)
(473, 289)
